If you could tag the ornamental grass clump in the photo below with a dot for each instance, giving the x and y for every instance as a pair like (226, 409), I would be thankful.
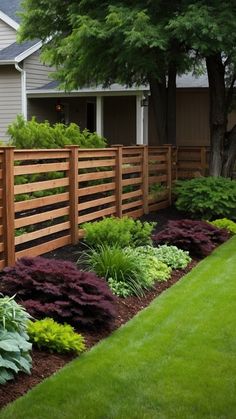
(198, 237)
(225, 223)
(121, 232)
(57, 289)
(172, 256)
(61, 338)
(14, 340)
(207, 197)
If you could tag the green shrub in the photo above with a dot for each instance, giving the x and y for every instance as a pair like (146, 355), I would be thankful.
(32, 134)
(207, 197)
(116, 264)
(128, 271)
(48, 334)
(225, 223)
(122, 232)
(172, 256)
(14, 345)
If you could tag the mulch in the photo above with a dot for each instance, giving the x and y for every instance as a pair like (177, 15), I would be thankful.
(44, 363)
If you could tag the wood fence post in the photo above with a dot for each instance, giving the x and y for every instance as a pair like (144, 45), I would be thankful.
(118, 180)
(73, 193)
(145, 180)
(8, 205)
(169, 173)
(203, 161)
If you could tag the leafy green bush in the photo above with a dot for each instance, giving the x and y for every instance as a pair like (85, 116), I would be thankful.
(14, 345)
(122, 232)
(172, 256)
(32, 134)
(128, 271)
(56, 337)
(225, 223)
(207, 197)
(116, 264)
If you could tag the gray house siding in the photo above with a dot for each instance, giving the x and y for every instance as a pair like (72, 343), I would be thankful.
(7, 35)
(10, 94)
(37, 73)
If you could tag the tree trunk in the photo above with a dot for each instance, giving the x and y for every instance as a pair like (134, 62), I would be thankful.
(159, 100)
(218, 111)
(171, 105)
(230, 156)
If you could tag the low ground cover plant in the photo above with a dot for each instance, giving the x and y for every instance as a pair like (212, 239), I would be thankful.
(198, 237)
(128, 271)
(57, 289)
(207, 197)
(225, 223)
(172, 256)
(14, 340)
(61, 338)
(121, 232)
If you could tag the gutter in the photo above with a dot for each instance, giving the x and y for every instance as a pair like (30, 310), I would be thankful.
(23, 90)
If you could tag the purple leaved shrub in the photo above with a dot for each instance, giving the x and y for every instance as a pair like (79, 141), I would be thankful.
(198, 237)
(57, 289)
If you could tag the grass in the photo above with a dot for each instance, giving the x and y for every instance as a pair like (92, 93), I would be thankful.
(175, 360)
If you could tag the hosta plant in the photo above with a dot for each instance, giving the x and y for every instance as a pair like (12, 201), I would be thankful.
(120, 232)
(57, 289)
(207, 197)
(61, 338)
(225, 223)
(197, 237)
(171, 255)
(14, 340)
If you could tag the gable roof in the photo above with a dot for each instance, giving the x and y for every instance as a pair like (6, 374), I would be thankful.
(18, 52)
(10, 9)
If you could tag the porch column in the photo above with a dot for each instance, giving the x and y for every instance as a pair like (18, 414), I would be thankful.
(141, 120)
(99, 115)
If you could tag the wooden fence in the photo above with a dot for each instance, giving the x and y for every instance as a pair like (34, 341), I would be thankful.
(46, 195)
(189, 162)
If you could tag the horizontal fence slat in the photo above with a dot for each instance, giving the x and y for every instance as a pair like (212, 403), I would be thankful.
(134, 214)
(95, 215)
(85, 177)
(40, 168)
(91, 190)
(134, 181)
(39, 186)
(157, 179)
(96, 153)
(38, 218)
(96, 202)
(159, 206)
(42, 233)
(96, 163)
(132, 205)
(44, 248)
(133, 169)
(132, 194)
(129, 160)
(41, 154)
(41, 202)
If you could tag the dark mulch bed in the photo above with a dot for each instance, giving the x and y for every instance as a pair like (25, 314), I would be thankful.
(44, 363)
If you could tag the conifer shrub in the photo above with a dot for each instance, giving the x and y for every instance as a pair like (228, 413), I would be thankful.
(207, 197)
(55, 337)
(57, 289)
(198, 237)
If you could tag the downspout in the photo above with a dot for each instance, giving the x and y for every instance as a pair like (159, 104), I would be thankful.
(23, 90)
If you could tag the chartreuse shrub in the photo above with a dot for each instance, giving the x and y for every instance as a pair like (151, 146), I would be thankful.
(172, 256)
(207, 197)
(128, 271)
(121, 232)
(225, 223)
(197, 237)
(61, 338)
(14, 340)
(57, 289)
(32, 134)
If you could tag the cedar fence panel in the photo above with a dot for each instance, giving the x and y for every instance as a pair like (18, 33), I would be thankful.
(47, 195)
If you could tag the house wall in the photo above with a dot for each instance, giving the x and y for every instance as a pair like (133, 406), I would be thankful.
(10, 94)
(7, 35)
(37, 74)
(120, 119)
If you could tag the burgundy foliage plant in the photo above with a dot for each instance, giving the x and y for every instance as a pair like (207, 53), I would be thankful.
(198, 237)
(57, 289)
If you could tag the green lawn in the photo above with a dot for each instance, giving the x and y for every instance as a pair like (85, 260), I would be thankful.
(176, 359)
